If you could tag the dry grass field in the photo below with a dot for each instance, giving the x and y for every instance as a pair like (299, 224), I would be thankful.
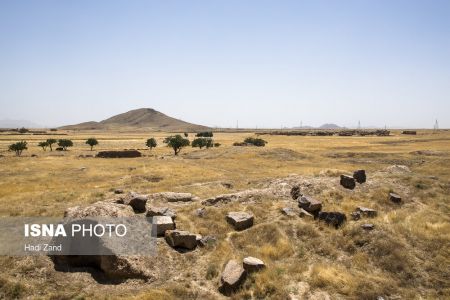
(406, 256)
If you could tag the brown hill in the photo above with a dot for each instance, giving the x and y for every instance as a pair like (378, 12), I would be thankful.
(143, 118)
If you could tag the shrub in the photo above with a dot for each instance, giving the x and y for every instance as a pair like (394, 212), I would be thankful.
(151, 143)
(50, 142)
(18, 147)
(44, 145)
(216, 145)
(255, 141)
(92, 142)
(186, 134)
(23, 130)
(176, 142)
(204, 134)
(64, 144)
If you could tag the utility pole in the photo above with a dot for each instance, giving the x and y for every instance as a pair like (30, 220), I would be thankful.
(436, 126)
(359, 124)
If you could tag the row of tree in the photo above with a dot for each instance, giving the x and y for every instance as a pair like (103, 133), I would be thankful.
(177, 142)
(62, 143)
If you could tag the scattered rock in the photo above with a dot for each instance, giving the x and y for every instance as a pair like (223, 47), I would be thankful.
(348, 182)
(232, 277)
(240, 220)
(395, 198)
(200, 212)
(360, 176)
(366, 212)
(163, 223)
(206, 240)
(252, 264)
(367, 226)
(118, 191)
(310, 204)
(227, 185)
(138, 202)
(173, 197)
(332, 218)
(295, 192)
(161, 211)
(304, 214)
(119, 154)
(398, 169)
(34, 155)
(181, 239)
(288, 211)
(356, 215)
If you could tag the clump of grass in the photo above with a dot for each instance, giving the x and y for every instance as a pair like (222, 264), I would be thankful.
(11, 289)
(212, 271)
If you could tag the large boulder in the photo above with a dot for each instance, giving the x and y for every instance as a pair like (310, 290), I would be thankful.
(335, 219)
(181, 239)
(360, 176)
(395, 198)
(310, 204)
(153, 211)
(138, 202)
(173, 197)
(240, 220)
(163, 223)
(232, 277)
(252, 264)
(348, 182)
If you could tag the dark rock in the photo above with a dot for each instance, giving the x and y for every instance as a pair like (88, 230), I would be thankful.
(240, 220)
(395, 198)
(335, 219)
(232, 277)
(367, 226)
(356, 215)
(410, 132)
(118, 191)
(360, 176)
(119, 154)
(295, 192)
(138, 202)
(348, 182)
(310, 204)
(181, 239)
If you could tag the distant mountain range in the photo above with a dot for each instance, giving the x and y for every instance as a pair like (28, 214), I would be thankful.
(18, 124)
(143, 118)
(324, 126)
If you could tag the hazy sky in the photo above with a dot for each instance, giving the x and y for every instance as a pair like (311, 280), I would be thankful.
(264, 63)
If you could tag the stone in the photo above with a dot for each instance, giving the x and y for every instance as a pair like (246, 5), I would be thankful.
(163, 223)
(173, 197)
(252, 264)
(138, 202)
(181, 239)
(304, 214)
(118, 191)
(348, 182)
(295, 192)
(366, 212)
(206, 241)
(160, 211)
(232, 277)
(360, 176)
(356, 215)
(395, 198)
(200, 212)
(240, 220)
(288, 211)
(367, 226)
(310, 204)
(335, 219)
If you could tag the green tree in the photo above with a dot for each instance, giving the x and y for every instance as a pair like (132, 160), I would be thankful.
(255, 141)
(204, 134)
(151, 143)
(92, 142)
(64, 144)
(176, 142)
(44, 145)
(50, 142)
(199, 143)
(18, 147)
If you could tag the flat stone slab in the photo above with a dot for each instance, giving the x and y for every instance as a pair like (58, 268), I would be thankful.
(163, 223)
(252, 264)
(153, 211)
(232, 277)
(395, 198)
(181, 239)
(240, 220)
(288, 211)
(367, 226)
(310, 204)
(366, 212)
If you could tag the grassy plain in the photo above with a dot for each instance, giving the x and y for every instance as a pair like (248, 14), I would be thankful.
(405, 257)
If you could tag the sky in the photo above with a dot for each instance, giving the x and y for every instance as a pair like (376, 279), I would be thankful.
(260, 63)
